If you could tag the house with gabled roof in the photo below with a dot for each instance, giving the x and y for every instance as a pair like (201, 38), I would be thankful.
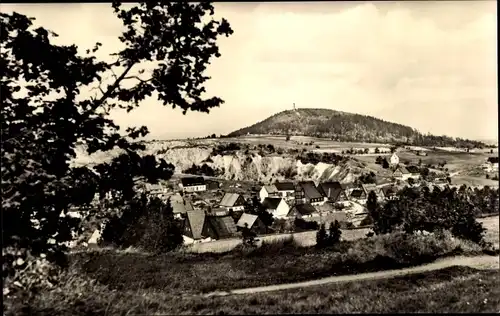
(370, 187)
(401, 173)
(233, 202)
(307, 192)
(358, 195)
(286, 190)
(221, 227)
(332, 191)
(414, 172)
(268, 191)
(252, 222)
(199, 227)
(303, 210)
(389, 191)
(193, 184)
(180, 205)
(394, 160)
(277, 207)
(195, 229)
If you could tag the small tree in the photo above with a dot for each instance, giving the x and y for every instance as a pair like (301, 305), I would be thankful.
(321, 237)
(334, 233)
(248, 236)
(385, 164)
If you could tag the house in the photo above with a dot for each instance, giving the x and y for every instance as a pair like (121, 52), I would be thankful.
(199, 227)
(232, 202)
(195, 229)
(414, 172)
(276, 206)
(268, 191)
(180, 205)
(253, 222)
(332, 191)
(401, 173)
(389, 191)
(307, 192)
(286, 190)
(220, 227)
(193, 184)
(304, 210)
(394, 160)
(218, 211)
(348, 188)
(367, 188)
(358, 195)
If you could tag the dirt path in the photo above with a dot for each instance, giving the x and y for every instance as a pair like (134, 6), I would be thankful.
(479, 262)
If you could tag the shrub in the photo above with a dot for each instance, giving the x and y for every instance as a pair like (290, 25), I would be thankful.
(321, 237)
(148, 224)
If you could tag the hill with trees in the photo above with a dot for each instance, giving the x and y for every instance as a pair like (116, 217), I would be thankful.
(348, 127)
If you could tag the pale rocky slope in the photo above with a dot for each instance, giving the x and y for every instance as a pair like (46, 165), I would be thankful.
(240, 166)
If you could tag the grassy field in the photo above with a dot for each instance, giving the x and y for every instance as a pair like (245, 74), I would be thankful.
(274, 263)
(455, 289)
(492, 229)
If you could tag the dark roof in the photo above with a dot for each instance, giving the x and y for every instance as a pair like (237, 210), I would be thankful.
(331, 190)
(402, 169)
(413, 169)
(284, 186)
(389, 190)
(192, 181)
(271, 203)
(310, 190)
(196, 220)
(223, 226)
(304, 209)
(357, 193)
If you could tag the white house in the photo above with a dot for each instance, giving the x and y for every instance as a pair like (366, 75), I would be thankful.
(268, 191)
(193, 184)
(277, 207)
(394, 160)
(286, 190)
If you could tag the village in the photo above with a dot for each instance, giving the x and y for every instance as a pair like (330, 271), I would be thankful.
(213, 209)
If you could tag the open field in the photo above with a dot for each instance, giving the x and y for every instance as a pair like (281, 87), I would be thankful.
(454, 289)
(492, 229)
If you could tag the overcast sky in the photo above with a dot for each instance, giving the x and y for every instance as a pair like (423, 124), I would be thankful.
(429, 65)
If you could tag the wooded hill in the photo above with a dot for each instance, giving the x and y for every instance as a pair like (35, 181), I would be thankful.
(348, 127)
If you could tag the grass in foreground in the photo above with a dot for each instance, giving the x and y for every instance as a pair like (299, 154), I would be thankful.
(455, 289)
(273, 263)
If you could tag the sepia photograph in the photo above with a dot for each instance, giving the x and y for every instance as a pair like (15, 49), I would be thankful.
(246, 158)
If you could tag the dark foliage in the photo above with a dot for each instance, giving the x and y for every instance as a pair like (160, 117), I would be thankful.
(147, 223)
(315, 158)
(225, 149)
(368, 178)
(253, 206)
(425, 210)
(43, 125)
(301, 225)
(203, 170)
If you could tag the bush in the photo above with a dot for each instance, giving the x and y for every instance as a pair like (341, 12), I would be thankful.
(148, 224)
(300, 224)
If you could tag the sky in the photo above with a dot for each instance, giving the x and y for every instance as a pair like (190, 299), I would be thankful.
(430, 65)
